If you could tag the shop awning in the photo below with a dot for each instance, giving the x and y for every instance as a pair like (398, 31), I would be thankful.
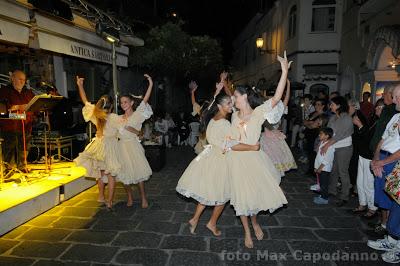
(71, 40)
(14, 23)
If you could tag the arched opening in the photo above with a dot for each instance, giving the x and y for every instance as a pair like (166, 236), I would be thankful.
(316, 88)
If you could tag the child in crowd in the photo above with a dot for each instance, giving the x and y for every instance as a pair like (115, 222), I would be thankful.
(323, 166)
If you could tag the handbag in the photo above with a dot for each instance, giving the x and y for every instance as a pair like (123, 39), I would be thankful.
(392, 185)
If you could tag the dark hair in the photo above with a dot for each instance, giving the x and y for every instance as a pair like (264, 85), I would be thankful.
(136, 101)
(379, 102)
(322, 101)
(342, 102)
(253, 97)
(211, 111)
(335, 93)
(367, 93)
(308, 96)
(324, 119)
(327, 131)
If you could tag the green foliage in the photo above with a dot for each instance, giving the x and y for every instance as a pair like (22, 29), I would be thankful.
(171, 52)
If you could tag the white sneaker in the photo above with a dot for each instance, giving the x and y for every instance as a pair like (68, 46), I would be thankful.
(315, 187)
(391, 256)
(385, 244)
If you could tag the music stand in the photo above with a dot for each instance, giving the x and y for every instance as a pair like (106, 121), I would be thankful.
(44, 103)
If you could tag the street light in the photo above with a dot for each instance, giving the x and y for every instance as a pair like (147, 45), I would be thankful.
(260, 46)
(113, 36)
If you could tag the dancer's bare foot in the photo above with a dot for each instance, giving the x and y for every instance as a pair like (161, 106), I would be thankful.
(109, 205)
(258, 232)
(248, 242)
(213, 229)
(192, 226)
(145, 204)
(129, 203)
(101, 199)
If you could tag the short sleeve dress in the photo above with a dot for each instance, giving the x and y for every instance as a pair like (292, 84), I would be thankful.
(254, 178)
(135, 167)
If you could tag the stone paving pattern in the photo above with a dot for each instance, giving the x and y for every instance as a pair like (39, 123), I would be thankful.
(81, 231)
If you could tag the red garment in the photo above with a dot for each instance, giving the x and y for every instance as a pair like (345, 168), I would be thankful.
(367, 109)
(12, 97)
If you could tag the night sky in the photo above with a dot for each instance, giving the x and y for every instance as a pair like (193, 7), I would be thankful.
(220, 19)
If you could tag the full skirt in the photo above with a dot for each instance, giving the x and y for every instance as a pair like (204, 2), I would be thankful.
(254, 183)
(135, 167)
(206, 179)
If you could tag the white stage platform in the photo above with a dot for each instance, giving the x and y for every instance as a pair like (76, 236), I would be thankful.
(21, 201)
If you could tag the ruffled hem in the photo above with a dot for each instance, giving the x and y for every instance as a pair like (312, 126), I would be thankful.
(132, 182)
(200, 199)
(254, 212)
(285, 166)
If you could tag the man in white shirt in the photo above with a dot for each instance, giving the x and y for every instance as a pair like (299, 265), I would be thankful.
(386, 156)
(161, 126)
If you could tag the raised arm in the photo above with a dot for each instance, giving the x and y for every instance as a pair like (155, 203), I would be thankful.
(149, 88)
(218, 87)
(193, 87)
(224, 79)
(287, 96)
(285, 65)
(82, 94)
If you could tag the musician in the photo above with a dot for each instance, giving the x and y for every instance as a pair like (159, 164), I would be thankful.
(16, 96)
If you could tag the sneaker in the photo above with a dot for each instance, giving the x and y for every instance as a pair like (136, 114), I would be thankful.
(315, 187)
(391, 256)
(385, 244)
(320, 201)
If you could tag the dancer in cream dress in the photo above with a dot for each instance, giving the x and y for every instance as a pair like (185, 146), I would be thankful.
(100, 157)
(254, 179)
(135, 168)
(206, 179)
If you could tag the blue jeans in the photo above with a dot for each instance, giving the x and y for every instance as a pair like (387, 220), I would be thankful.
(382, 200)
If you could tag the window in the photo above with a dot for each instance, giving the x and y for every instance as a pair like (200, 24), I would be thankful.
(323, 15)
(292, 22)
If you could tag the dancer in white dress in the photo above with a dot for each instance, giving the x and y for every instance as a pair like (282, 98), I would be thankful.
(135, 168)
(100, 157)
(206, 179)
(254, 179)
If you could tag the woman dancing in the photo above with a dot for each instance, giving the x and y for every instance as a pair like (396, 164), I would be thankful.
(135, 169)
(206, 179)
(254, 179)
(100, 157)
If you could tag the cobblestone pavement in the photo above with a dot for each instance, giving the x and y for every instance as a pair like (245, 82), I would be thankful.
(81, 232)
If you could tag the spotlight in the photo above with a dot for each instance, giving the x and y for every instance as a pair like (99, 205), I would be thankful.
(108, 33)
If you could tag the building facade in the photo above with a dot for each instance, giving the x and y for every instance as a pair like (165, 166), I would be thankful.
(370, 46)
(54, 50)
(310, 32)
